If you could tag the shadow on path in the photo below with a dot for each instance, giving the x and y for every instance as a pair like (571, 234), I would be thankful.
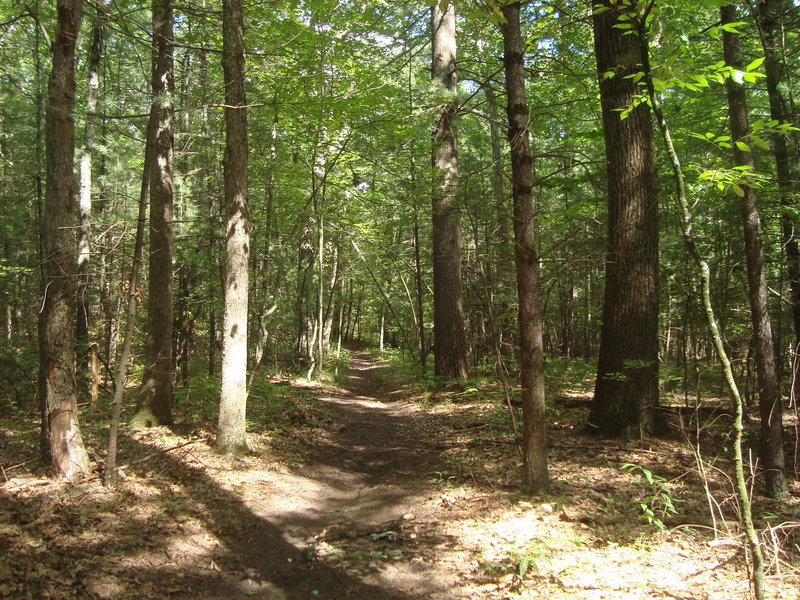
(254, 544)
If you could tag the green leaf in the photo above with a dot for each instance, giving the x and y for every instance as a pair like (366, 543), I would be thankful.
(738, 190)
(760, 143)
(523, 566)
(731, 27)
(752, 77)
(743, 147)
(755, 64)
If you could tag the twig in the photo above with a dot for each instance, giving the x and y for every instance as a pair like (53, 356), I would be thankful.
(11, 468)
(155, 454)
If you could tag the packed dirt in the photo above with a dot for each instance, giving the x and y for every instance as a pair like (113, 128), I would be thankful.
(369, 493)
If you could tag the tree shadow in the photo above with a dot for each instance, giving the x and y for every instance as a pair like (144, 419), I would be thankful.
(255, 545)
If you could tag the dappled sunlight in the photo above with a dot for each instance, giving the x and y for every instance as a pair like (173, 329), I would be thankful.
(348, 493)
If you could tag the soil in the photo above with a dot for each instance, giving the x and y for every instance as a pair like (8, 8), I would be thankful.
(371, 491)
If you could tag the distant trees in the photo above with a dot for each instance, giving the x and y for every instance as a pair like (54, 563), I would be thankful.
(342, 121)
(771, 17)
(85, 189)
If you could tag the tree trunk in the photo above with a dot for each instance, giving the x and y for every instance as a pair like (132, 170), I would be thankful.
(155, 399)
(769, 21)
(449, 339)
(85, 197)
(110, 474)
(703, 273)
(534, 437)
(233, 399)
(626, 390)
(419, 295)
(769, 397)
(68, 455)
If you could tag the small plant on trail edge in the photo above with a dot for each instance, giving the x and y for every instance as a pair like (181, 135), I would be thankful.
(657, 501)
(529, 558)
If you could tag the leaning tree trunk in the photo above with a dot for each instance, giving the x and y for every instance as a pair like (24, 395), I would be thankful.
(626, 390)
(769, 397)
(231, 435)
(534, 441)
(155, 395)
(60, 415)
(449, 338)
(703, 273)
(110, 474)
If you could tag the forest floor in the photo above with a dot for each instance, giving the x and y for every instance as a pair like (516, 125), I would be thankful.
(375, 490)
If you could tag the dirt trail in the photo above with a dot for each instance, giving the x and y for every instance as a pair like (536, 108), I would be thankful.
(359, 494)
(360, 508)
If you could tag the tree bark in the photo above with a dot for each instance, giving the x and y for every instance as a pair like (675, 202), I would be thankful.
(449, 338)
(626, 389)
(787, 169)
(85, 196)
(769, 397)
(535, 478)
(68, 455)
(231, 436)
(155, 395)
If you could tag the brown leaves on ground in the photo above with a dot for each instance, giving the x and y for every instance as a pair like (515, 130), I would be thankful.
(363, 493)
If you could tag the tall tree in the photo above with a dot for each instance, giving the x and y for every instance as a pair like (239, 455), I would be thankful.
(534, 442)
(233, 398)
(769, 397)
(60, 415)
(155, 395)
(449, 338)
(770, 16)
(626, 389)
(85, 196)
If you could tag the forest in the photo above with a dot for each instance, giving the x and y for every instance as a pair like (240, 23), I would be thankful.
(381, 299)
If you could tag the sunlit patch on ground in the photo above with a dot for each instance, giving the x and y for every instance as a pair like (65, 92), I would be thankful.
(361, 493)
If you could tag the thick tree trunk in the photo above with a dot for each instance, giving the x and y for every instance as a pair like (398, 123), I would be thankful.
(449, 338)
(626, 390)
(534, 435)
(769, 397)
(60, 415)
(233, 399)
(155, 399)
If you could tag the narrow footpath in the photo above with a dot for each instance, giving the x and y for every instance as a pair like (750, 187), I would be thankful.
(358, 519)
